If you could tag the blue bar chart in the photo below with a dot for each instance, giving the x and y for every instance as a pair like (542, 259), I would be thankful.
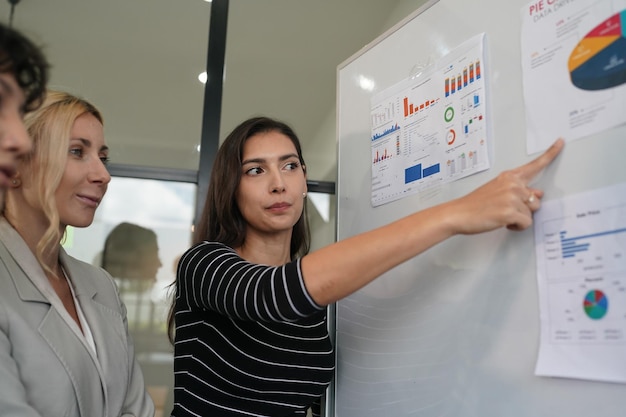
(571, 246)
(576, 245)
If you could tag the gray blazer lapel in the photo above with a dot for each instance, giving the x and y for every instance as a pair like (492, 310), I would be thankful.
(78, 362)
(25, 263)
(106, 323)
(26, 290)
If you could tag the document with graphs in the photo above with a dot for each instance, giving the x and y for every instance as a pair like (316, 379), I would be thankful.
(431, 128)
(581, 271)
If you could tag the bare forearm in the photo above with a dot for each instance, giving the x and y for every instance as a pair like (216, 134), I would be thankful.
(506, 201)
(340, 269)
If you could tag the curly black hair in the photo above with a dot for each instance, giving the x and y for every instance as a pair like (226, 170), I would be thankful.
(22, 58)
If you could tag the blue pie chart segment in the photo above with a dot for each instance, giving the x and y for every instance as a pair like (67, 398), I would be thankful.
(599, 60)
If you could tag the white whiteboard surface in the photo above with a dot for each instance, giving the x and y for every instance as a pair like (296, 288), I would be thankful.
(455, 331)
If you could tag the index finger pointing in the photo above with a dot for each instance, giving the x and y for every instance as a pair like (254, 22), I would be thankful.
(528, 171)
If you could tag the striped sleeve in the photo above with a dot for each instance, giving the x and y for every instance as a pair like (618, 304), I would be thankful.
(212, 276)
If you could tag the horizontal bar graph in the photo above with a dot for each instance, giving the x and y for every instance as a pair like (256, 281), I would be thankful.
(570, 246)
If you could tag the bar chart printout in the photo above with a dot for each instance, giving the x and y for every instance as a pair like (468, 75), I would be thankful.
(431, 129)
(581, 271)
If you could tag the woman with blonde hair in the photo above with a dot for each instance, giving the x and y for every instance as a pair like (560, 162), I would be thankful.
(64, 343)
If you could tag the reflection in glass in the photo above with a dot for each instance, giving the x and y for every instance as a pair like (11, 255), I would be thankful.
(131, 256)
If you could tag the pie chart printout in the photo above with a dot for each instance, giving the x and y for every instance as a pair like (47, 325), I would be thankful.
(596, 304)
(599, 60)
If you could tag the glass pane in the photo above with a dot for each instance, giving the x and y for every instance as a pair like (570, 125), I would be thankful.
(140, 230)
(321, 209)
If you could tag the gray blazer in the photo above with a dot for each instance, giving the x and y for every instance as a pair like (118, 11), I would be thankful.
(46, 366)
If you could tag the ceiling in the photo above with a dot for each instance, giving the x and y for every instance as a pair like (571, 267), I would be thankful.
(138, 61)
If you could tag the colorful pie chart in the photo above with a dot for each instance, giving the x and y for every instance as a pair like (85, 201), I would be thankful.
(596, 304)
(599, 60)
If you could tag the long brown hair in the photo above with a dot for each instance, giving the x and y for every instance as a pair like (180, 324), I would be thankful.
(221, 220)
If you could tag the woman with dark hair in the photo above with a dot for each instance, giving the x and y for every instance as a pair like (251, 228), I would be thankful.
(25, 62)
(23, 78)
(223, 220)
(250, 306)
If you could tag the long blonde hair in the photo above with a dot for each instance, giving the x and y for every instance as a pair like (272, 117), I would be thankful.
(50, 129)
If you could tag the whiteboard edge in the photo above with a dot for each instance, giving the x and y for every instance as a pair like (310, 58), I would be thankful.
(387, 33)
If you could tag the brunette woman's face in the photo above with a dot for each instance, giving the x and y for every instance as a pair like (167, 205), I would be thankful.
(271, 191)
(14, 140)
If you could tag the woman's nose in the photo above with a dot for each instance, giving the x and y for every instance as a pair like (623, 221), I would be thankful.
(278, 188)
(278, 184)
(100, 173)
(14, 137)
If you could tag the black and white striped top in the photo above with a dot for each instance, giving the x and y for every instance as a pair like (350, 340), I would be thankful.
(250, 340)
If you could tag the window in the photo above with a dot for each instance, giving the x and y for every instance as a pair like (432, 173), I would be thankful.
(140, 230)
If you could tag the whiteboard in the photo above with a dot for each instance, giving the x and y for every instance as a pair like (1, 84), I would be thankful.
(455, 331)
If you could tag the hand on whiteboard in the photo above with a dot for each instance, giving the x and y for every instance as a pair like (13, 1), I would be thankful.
(507, 200)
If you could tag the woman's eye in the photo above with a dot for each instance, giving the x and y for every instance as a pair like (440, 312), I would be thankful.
(254, 171)
(105, 160)
(78, 152)
(292, 165)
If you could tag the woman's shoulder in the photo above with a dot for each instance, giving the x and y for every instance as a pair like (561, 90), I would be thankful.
(209, 253)
(206, 247)
(212, 245)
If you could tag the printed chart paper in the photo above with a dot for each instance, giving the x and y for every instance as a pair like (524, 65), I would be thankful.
(574, 68)
(431, 129)
(581, 271)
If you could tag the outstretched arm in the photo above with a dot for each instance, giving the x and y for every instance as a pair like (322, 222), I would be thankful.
(338, 270)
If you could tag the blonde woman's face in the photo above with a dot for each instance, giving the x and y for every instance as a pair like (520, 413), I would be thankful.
(86, 178)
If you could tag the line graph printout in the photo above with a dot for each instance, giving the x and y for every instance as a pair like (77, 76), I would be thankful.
(581, 271)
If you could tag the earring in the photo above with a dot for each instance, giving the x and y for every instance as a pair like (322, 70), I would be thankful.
(303, 195)
(15, 181)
